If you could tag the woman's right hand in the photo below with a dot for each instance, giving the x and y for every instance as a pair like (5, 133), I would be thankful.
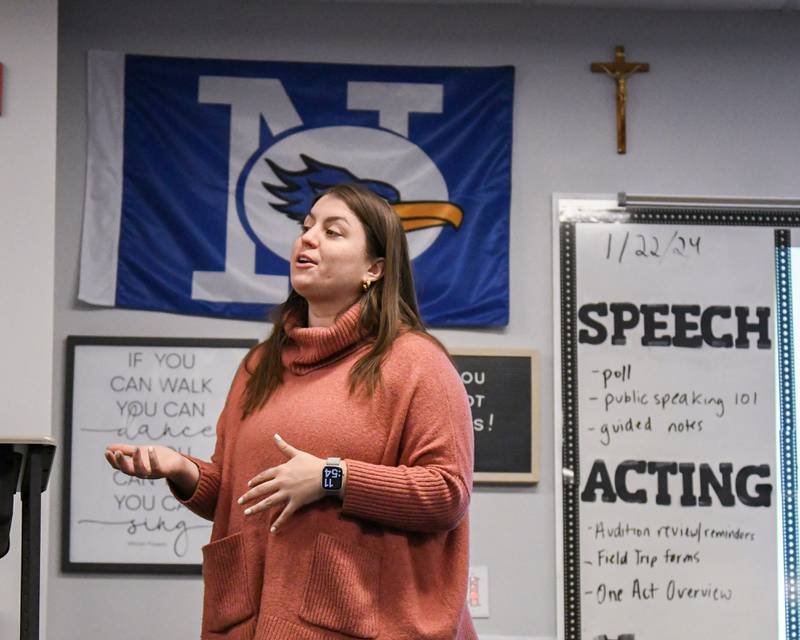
(152, 461)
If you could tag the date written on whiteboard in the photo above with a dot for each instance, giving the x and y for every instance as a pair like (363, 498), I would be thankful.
(652, 246)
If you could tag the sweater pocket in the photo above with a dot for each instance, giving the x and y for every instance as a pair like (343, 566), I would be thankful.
(232, 576)
(342, 588)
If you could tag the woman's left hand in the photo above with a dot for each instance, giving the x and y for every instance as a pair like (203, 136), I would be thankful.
(297, 482)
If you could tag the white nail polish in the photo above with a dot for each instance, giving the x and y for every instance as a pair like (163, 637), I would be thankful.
(272, 530)
(278, 438)
(240, 500)
(247, 512)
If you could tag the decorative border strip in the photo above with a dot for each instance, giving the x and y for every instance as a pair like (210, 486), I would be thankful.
(724, 217)
(788, 437)
(569, 448)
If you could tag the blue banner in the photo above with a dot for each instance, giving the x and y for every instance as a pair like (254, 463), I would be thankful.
(218, 159)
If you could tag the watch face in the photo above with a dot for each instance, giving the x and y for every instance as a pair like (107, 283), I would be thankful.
(332, 478)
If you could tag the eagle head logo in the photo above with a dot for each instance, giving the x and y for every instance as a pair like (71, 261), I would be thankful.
(301, 188)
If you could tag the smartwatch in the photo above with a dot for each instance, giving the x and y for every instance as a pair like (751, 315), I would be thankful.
(332, 475)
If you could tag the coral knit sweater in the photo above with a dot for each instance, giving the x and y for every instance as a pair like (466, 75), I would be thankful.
(390, 561)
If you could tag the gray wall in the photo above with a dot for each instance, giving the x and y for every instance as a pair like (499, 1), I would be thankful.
(28, 53)
(719, 114)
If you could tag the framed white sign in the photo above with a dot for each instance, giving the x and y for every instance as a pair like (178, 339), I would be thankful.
(675, 495)
(167, 391)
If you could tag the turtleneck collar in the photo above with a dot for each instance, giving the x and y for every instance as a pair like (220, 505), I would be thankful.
(310, 348)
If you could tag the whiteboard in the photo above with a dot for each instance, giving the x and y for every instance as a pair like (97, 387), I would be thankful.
(138, 391)
(669, 488)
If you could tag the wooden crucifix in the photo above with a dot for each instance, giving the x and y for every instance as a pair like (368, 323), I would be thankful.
(620, 70)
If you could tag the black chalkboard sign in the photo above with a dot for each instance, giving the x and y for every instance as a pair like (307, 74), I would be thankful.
(502, 387)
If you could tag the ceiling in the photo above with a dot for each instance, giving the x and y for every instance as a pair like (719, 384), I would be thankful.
(696, 5)
(665, 5)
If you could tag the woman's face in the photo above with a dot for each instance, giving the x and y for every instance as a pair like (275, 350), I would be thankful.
(329, 258)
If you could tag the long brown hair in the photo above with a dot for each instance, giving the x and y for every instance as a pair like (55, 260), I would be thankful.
(389, 305)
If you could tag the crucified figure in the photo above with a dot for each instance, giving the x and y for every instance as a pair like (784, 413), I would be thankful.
(620, 71)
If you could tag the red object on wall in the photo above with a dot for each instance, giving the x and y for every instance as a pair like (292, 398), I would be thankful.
(474, 598)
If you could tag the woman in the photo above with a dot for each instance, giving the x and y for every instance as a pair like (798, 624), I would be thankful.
(342, 472)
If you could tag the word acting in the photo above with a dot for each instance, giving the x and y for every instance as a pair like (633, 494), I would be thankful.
(724, 485)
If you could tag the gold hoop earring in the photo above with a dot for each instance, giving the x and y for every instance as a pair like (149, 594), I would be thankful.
(365, 285)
